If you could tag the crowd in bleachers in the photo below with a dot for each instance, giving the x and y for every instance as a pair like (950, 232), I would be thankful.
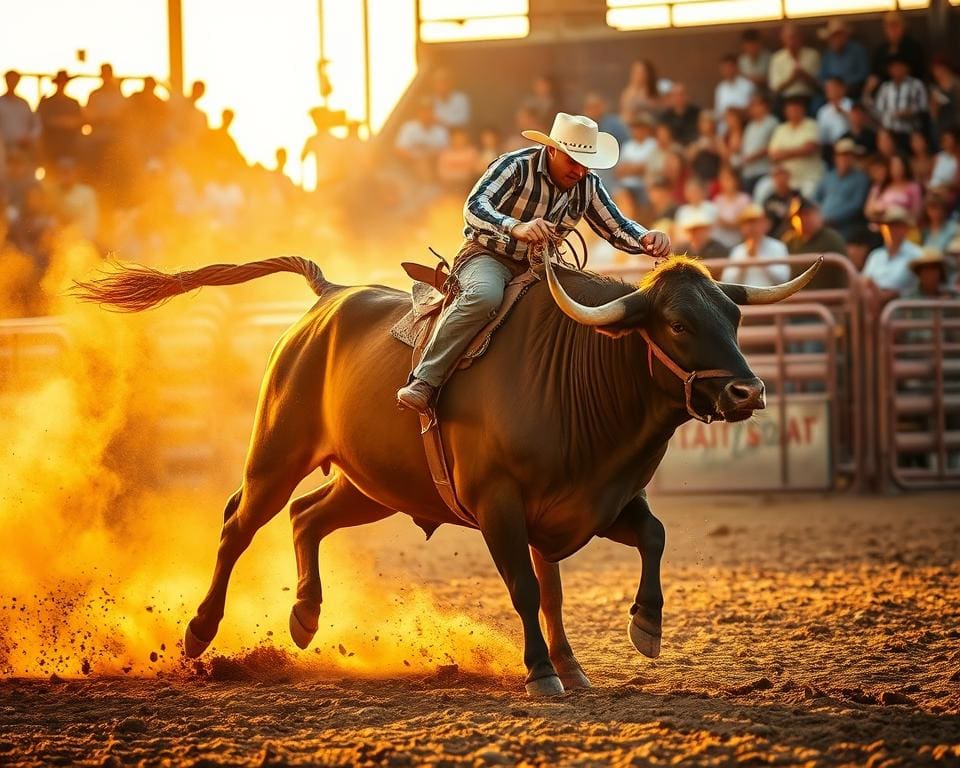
(825, 147)
(140, 175)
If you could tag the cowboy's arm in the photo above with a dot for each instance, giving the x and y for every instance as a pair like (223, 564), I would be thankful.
(608, 221)
(480, 211)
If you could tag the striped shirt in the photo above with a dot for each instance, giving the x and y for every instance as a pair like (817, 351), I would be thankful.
(517, 188)
(909, 96)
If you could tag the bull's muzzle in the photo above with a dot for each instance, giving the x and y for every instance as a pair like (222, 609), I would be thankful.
(741, 397)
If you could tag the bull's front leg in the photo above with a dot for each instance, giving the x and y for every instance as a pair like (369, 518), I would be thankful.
(503, 525)
(551, 604)
(636, 526)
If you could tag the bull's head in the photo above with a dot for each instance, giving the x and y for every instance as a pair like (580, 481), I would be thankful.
(689, 323)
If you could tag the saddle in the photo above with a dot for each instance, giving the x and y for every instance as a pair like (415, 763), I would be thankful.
(434, 288)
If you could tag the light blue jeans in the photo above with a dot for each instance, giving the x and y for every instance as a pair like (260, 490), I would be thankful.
(482, 280)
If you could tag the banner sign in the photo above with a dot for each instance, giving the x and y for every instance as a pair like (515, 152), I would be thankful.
(746, 455)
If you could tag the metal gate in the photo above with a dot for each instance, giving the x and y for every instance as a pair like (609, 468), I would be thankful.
(919, 378)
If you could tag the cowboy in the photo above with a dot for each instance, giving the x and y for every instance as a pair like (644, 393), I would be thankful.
(526, 199)
(931, 271)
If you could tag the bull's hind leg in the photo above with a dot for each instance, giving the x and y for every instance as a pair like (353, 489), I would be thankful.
(551, 606)
(266, 489)
(637, 526)
(335, 504)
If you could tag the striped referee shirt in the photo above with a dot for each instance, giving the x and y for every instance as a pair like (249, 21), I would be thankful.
(517, 188)
(908, 96)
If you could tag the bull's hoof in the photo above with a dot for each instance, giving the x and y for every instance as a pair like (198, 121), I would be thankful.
(575, 679)
(644, 636)
(545, 686)
(301, 634)
(193, 646)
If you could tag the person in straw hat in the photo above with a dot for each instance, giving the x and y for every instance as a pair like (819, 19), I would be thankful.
(931, 271)
(525, 200)
(756, 247)
(888, 267)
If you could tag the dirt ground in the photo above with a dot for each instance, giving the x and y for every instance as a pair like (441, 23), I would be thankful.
(809, 631)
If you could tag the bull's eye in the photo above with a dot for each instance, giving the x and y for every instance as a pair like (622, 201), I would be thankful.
(677, 327)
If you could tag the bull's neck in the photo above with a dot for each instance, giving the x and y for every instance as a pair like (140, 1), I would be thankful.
(605, 396)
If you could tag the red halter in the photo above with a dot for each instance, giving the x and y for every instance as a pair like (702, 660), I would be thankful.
(687, 377)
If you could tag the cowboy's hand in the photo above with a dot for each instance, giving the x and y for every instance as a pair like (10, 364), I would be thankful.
(538, 231)
(656, 243)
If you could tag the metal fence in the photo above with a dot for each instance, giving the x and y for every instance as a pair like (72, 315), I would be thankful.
(857, 399)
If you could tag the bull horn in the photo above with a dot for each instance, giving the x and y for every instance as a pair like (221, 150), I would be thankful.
(607, 314)
(753, 294)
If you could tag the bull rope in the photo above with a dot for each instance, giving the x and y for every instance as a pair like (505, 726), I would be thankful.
(134, 287)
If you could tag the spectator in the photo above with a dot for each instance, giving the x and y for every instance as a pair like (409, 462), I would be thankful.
(896, 45)
(845, 59)
(842, 192)
(681, 115)
(859, 244)
(542, 102)
(697, 239)
(888, 267)
(731, 143)
(754, 59)
(106, 109)
(794, 68)
(450, 107)
(640, 94)
(666, 144)
(901, 102)
(932, 280)
(895, 189)
(705, 152)
(191, 121)
(696, 202)
(947, 162)
(149, 118)
(635, 156)
(330, 162)
(809, 232)
(676, 171)
(754, 157)
(921, 158)
(77, 202)
(61, 118)
(886, 144)
(733, 90)
(860, 131)
(944, 94)
(19, 126)
(220, 144)
(490, 148)
(730, 201)
(3, 170)
(938, 230)
(795, 144)
(457, 163)
(420, 140)
(833, 118)
(776, 204)
(756, 247)
(595, 107)
(662, 203)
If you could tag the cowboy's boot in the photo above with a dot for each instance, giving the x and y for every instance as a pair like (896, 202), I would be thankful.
(416, 395)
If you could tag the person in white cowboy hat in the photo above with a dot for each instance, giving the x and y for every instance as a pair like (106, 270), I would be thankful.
(888, 267)
(524, 200)
(932, 280)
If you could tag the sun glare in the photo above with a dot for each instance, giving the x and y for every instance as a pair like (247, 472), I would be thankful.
(260, 61)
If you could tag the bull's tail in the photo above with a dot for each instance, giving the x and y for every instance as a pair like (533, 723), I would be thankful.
(133, 288)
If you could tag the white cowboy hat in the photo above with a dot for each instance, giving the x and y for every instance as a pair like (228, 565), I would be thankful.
(580, 138)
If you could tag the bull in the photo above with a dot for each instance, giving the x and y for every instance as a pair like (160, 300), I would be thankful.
(551, 439)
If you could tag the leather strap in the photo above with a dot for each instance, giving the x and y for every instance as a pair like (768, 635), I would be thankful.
(687, 377)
